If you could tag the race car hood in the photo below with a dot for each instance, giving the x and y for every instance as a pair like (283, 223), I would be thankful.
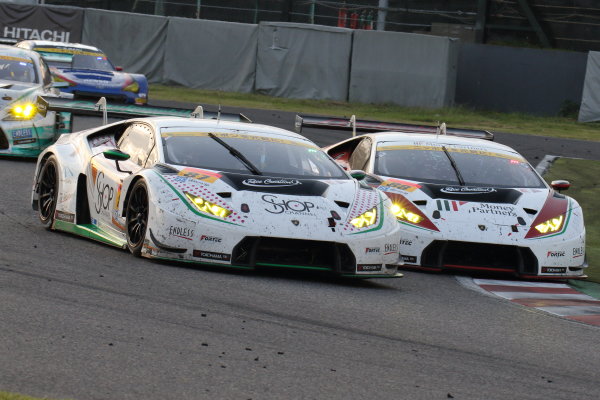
(95, 78)
(480, 214)
(291, 207)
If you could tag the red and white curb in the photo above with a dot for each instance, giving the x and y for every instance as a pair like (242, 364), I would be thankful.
(555, 298)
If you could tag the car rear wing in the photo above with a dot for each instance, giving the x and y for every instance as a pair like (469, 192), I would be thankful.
(102, 109)
(379, 126)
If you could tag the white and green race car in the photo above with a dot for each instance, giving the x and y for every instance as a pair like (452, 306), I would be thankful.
(27, 126)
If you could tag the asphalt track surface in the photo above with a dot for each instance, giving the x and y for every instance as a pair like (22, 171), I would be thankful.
(83, 320)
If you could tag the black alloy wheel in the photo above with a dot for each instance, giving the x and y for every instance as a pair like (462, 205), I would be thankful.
(48, 191)
(137, 217)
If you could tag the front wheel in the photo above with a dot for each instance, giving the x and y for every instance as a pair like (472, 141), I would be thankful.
(137, 217)
(48, 191)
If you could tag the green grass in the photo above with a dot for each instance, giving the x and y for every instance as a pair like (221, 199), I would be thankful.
(460, 117)
(15, 396)
(584, 176)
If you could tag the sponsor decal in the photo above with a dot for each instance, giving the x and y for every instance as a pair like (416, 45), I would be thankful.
(105, 193)
(494, 209)
(64, 216)
(211, 255)
(214, 239)
(372, 250)
(578, 251)
(24, 133)
(409, 259)
(279, 206)
(368, 267)
(22, 33)
(392, 247)
(555, 254)
(467, 190)
(271, 182)
(449, 205)
(554, 270)
(405, 242)
(397, 184)
(200, 174)
(182, 232)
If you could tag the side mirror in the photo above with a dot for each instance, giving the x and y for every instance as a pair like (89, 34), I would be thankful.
(560, 185)
(358, 174)
(119, 68)
(116, 155)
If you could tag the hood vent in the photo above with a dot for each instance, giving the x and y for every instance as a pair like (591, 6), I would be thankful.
(342, 204)
(225, 195)
(530, 211)
(420, 202)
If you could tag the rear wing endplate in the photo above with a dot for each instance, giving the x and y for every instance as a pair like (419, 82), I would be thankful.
(379, 126)
(101, 109)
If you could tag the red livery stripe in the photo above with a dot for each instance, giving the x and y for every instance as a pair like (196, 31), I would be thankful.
(530, 289)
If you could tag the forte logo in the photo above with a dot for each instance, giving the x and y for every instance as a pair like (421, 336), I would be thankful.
(555, 254)
(214, 239)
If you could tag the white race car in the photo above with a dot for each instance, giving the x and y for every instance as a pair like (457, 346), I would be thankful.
(471, 204)
(215, 192)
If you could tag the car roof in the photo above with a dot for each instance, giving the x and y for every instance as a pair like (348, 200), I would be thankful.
(17, 52)
(443, 139)
(61, 44)
(205, 124)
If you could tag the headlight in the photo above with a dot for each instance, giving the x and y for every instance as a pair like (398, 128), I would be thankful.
(365, 219)
(132, 87)
(208, 207)
(22, 112)
(403, 213)
(550, 226)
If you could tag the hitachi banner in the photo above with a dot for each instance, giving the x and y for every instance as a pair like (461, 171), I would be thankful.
(58, 24)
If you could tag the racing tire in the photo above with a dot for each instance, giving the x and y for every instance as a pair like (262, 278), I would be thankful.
(48, 184)
(137, 217)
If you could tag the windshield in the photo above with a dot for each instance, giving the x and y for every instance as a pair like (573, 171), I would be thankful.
(477, 166)
(18, 69)
(272, 156)
(65, 57)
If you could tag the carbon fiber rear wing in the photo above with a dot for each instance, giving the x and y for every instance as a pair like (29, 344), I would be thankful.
(379, 126)
(102, 109)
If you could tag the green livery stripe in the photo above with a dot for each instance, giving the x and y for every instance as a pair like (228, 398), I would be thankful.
(192, 209)
(293, 266)
(415, 226)
(89, 231)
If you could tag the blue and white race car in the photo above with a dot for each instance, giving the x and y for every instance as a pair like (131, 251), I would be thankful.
(89, 73)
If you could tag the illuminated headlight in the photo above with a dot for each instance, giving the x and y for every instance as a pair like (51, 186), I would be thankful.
(208, 207)
(403, 213)
(132, 87)
(365, 219)
(22, 112)
(552, 225)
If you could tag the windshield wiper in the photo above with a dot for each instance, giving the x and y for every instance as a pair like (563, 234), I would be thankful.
(235, 152)
(453, 163)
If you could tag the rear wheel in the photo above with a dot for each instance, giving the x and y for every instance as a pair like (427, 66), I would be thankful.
(48, 191)
(137, 217)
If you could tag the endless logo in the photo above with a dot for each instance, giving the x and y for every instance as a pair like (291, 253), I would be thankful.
(271, 182)
(178, 231)
(287, 206)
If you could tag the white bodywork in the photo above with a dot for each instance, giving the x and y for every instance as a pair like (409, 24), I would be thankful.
(260, 206)
(473, 228)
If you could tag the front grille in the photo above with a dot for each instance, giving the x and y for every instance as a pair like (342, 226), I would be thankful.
(469, 255)
(253, 251)
(3, 140)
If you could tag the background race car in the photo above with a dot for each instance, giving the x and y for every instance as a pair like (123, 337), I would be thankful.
(89, 73)
(471, 204)
(26, 124)
(222, 193)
